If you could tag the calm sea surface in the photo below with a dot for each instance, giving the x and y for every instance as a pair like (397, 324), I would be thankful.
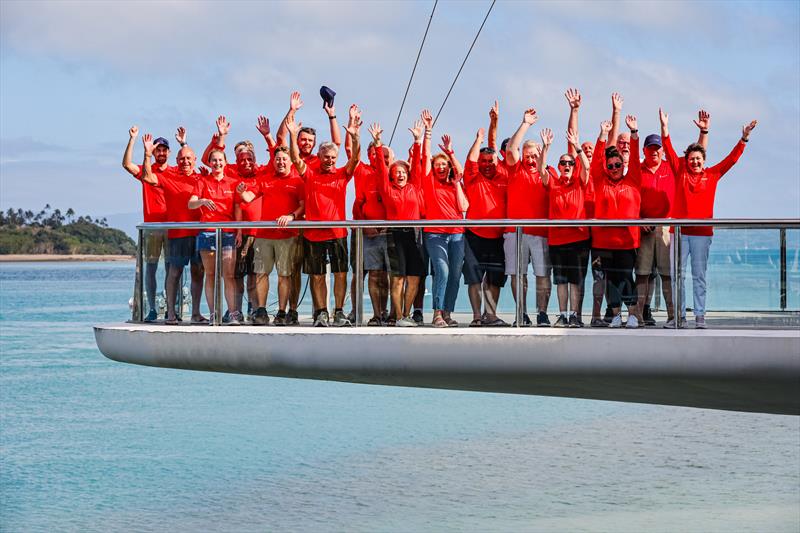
(87, 444)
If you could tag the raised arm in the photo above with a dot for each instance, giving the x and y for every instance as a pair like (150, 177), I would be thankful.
(353, 131)
(336, 136)
(635, 165)
(669, 152)
(294, 152)
(725, 165)
(218, 139)
(475, 149)
(703, 122)
(262, 125)
(127, 157)
(573, 97)
(295, 103)
(616, 109)
(529, 118)
(599, 158)
(575, 146)
(348, 142)
(147, 164)
(417, 167)
(541, 159)
(447, 147)
(494, 114)
(180, 136)
(427, 122)
(383, 173)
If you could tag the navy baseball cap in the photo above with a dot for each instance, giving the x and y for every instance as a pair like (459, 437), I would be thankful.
(327, 95)
(161, 140)
(652, 139)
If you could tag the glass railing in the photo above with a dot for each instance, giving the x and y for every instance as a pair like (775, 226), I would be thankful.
(753, 268)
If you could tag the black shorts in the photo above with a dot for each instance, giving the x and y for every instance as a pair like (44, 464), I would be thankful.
(484, 257)
(317, 254)
(183, 250)
(244, 264)
(405, 253)
(570, 262)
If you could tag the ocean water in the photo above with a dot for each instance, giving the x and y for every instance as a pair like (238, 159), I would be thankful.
(88, 444)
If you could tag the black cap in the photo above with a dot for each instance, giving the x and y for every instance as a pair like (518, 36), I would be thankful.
(327, 95)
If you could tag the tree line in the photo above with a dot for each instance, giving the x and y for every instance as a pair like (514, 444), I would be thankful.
(47, 217)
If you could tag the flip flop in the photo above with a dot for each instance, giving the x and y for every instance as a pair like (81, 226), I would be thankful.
(171, 322)
(477, 323)
(202, 321)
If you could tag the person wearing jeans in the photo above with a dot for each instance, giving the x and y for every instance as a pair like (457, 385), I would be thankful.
(698, 247)
(446, 251)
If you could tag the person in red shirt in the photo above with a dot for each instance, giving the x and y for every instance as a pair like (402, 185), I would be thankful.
(484, 259)
(403, 199)
(215, 197)
(695, 188)
(281, 193)
(569, 246)
(527, 197)
(325, 200)
(154, 209)
(178, 184)
(445, 199)
(617, 196)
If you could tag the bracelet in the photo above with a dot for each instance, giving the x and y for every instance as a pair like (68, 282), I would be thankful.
(634, 131)
(182, 144)
(745, 140)
(579, 151)
(331, 117)
(704, 132)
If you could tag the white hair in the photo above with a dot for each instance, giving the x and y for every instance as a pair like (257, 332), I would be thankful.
(328, 147)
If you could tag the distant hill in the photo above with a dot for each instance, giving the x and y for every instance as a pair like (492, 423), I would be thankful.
(51, 232)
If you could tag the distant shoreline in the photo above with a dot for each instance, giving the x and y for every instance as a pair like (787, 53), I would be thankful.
(21, 258)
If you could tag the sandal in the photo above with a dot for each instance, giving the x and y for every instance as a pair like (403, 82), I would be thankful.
(171, 322)
(451, 323)
(439, 322)
(374, 321)
(199, 321)
(476, 323)
(497, 322)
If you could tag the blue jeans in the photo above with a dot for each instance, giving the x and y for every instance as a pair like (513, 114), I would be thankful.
(446, 251)
(698, 247)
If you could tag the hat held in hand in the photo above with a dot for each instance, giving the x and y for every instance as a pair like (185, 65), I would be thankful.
(327, 95)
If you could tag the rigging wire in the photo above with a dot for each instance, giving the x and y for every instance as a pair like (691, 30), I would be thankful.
(463, 62)
(419, 53)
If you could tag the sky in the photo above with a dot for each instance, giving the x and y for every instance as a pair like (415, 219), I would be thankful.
(74, 76)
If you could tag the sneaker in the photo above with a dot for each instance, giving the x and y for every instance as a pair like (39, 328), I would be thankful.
(322, 319)
(280, 318)
(670, 324)
(375, 321)
(352, 317)
(616, 322)
(260, 317)
(699, 322)
(226, 317)
(542, 321)
(292, 319)
(417, 317)
(151, 316)
(407, 322)
(234, 319)
(561, 322)
(249, 316)
(573, 322)
(633, 322)
(609, 316)
(647, 317)
(340, 320)
(526, 321)
(598, 323)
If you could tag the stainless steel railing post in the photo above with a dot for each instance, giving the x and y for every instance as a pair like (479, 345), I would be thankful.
(678, 293)
(218, 278)
(783, 269)
(138, 284)
(358, 250)
(520, 278)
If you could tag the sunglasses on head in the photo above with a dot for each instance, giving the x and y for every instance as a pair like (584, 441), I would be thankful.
(567, 163)
(612, 166)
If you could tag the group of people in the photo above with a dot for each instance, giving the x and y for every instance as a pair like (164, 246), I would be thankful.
(601, 180)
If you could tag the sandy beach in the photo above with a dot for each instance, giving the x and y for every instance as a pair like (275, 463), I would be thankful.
(18, 258)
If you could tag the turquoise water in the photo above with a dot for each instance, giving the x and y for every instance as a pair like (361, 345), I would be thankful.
(90, 444)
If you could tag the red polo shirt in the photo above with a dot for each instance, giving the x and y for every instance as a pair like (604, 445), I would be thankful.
(527, 197)
(222, 192)
(566, 202)
(154, 206)
(178, 188)
(325, 200)
(368, 204)
(658, 191)
(487, 197)
(616, 200)
(277, 196)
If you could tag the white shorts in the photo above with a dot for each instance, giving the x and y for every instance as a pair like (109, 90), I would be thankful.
(535, 251)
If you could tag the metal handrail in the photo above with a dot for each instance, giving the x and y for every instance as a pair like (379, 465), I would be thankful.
(518, 224)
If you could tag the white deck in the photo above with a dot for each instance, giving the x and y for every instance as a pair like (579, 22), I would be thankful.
(736, 369)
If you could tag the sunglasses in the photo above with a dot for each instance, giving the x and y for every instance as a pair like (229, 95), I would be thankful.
(567, 163)
(612, 166)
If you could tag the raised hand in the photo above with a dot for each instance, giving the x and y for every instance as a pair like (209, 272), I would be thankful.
(663, 117)
(147, 141)
(133, 132)
(494, 112)
(605, 127)
(295, 102)
(616, 101)
(747, 128)
(262, 125)
(427, 119)
(416, 130)
(630, 120)
(376, 131)
(446, 145)
(573, 97)
(547, 137)
(180, 135)
(355, 115)
(572, 138)
(292, 126)
(223, 126)
(329, 109)
(530, 117)
(354, 126)
(703, 120)
(480, 133)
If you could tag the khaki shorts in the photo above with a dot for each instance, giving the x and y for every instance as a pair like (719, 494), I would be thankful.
(653, 252)
(154, 243)
(267, 253)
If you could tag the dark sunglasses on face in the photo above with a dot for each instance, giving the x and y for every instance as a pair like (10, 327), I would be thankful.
(566, 163)
(612, 166)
